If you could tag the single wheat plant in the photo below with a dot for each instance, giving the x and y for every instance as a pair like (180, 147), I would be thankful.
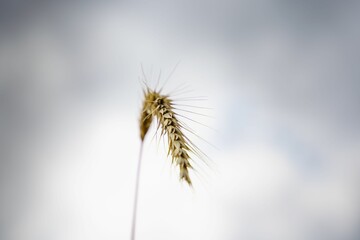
(161, 108)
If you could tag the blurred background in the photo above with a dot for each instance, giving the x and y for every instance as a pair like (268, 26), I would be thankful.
(282, 80)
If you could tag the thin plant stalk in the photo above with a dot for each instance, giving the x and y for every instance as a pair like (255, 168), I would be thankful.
(136, 196)
(161, 107)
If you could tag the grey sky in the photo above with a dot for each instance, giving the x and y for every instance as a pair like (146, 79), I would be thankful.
(282, 77)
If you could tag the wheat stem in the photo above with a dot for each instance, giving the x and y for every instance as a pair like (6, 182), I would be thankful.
(136, 196)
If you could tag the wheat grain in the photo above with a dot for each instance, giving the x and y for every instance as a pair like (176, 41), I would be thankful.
(160, 106)
(146, 116)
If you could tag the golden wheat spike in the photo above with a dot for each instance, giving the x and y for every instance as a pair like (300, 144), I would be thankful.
(160, 106)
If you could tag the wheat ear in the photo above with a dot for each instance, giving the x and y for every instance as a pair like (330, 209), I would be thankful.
(160, 107)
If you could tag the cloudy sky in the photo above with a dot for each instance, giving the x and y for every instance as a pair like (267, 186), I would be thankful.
(282, 84)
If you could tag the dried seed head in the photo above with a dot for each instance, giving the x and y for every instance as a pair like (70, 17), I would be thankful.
(160, 106)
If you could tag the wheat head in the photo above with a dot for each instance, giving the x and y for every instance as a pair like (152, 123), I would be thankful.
(156, 105)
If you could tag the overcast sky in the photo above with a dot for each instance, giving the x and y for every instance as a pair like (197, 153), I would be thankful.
(281, 79)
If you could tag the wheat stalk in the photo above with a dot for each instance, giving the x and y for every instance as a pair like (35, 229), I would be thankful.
(161, 107)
